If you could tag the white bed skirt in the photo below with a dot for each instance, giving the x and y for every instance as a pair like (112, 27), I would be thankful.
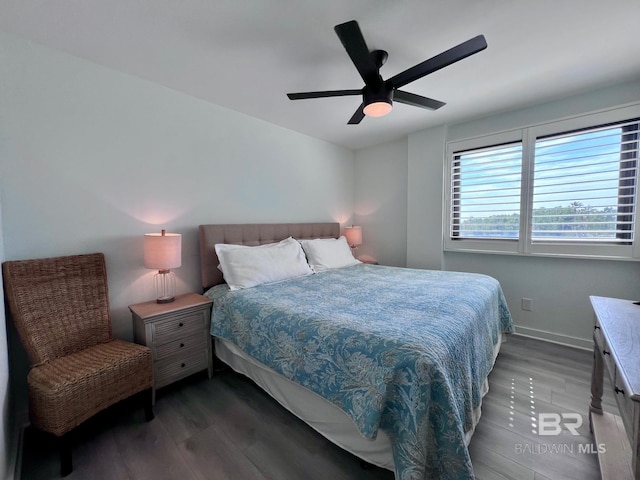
(318, 413)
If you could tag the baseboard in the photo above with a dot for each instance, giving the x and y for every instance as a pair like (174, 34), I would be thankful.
(555, 338)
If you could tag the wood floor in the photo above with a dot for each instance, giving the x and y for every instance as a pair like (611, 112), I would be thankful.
(227, 428)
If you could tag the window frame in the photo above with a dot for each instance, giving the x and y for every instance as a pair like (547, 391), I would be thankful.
(524, 245)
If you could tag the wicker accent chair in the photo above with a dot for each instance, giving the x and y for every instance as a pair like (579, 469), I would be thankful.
(60, 307)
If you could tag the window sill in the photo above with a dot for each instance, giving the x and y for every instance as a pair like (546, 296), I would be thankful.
(543, 254)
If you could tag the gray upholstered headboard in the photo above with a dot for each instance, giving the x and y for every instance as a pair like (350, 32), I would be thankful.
(252, 234)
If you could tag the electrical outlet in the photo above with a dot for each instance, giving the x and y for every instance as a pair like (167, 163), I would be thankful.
(527, 304)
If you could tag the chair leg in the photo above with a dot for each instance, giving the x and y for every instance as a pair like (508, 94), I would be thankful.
(66, 465)
(147, 399)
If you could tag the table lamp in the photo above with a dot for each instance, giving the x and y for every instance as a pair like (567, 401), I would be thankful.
(353, 235)
(163, 251)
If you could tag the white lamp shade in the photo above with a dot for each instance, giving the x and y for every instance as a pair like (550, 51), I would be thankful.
(162, 251)
(353, 235)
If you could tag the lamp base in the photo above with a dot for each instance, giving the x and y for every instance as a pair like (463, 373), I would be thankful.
(165, 283)
(165, 300)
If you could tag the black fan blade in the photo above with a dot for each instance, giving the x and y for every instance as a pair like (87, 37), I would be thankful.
(358, 116)
(455, 54)
(417, 100)
(326, 93)
(353, 42)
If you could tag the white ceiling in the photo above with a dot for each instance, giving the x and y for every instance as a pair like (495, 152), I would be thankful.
(247, 54)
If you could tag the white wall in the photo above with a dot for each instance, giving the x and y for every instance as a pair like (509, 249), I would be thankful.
(558, 287)
(91, 159)
(424, 198)
(381, 202)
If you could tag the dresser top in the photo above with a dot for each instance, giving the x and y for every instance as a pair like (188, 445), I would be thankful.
(182, 302)
(620, 324)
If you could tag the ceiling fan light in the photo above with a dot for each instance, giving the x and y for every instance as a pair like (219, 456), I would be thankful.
(377, 109)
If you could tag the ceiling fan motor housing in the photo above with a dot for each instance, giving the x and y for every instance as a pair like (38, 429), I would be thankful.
(378, 92)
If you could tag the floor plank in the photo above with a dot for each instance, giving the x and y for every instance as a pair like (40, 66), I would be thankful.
(227, 428)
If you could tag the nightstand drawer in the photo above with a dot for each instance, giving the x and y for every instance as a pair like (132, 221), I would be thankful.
(177, 327)
(183, 346)
(168, 371)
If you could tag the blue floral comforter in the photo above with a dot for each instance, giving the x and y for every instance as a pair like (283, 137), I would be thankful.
(397, 349)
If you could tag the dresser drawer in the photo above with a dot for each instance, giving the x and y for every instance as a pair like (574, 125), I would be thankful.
(625, 406)
(179, 326)
(605, 351)
(182, 346)
(175, 368)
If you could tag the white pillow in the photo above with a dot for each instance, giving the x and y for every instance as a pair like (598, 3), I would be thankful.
(245, 267)
(326, 253)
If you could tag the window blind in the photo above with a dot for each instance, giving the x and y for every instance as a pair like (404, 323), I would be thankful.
(485, 186)
(584, 185)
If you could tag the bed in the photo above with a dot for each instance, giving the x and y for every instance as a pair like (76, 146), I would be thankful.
(389, 363)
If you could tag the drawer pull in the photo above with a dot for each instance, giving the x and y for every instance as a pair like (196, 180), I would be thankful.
(606, 352)
(181, 345)
(183, 365)
(181, 324)
(618, 390)
(597, 327)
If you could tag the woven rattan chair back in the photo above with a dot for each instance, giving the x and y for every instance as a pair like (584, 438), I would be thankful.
(59, 305)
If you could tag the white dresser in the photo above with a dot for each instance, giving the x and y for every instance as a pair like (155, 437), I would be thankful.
(617, 354)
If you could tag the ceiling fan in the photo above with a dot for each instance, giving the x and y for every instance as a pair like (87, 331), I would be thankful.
(378, 94)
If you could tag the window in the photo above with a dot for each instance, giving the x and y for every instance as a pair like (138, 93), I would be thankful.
(584, 185)
(564, 188)
(486, 192)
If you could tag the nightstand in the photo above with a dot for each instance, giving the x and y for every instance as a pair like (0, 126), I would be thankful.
(177, 334)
